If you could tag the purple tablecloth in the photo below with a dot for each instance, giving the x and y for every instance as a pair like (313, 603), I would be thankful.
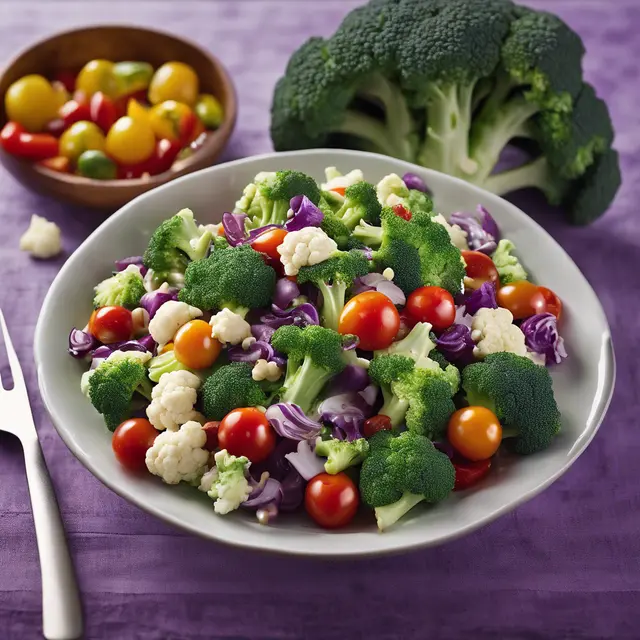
(565, 565)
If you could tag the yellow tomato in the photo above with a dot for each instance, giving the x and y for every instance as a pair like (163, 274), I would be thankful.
(130, 140)
(209, 110)
(167, 117)
(136, 111)
(60, 92)
(31, 102)
(80, 137)
(174, 81)
(97, 75)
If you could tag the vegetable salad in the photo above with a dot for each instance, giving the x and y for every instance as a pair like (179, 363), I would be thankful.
(324, 346)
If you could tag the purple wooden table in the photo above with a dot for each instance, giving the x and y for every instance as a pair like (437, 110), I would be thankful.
(565, 565)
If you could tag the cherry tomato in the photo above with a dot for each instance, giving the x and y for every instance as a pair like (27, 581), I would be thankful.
(339, 190)
(194, 346)
(552, 301)
(59, 164)
(434, 305)
(165, 347)
(211, 429)
(80, 137)
(163, 157)
(67, 78)
(130, 141)
(32, 146)
(402, 212)
(130, 442)
(475, 432)
(469, 473)
(96, 165)
(55, 127)
(331, 500)
(32, 102)
(132, 76)
(373, 318)
(174, 81)
(479, 268)
(376, 423)
(173, 120)
(74, 111)
(522, 298)
(102, 111)
(10, 137)
(97, 75)
(111, 324)
(269, 241)
(209, 110)
(247, 432)
(136, 110)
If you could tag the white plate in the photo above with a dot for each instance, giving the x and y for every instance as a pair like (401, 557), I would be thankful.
(583, 384)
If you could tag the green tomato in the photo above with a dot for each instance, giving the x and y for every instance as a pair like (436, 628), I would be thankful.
(132, 77)
(96, 165)
(209, 110)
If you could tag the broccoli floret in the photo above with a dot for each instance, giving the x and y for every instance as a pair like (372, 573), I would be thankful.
(175, 243)
(341, 454)
(402, 471)
(508, 266)
(333, 226)
(164, 363)
(360, 203)
(333, 277)
(112, 384)
(123, 289)
(236, 278)
(266, 201)
(315, 355)
(417, 201)
(417, 344)
(520, 393)
(229, 387)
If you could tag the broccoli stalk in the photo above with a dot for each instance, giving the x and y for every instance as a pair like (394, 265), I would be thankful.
(123, 289)
(164, 363)
(341, 454)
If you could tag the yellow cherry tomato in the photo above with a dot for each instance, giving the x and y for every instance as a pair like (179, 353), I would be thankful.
(168, 119)
(209, 110)
(475, 432)
(60, 92)
(130, 140)
(194, 346)
(32, 102)
(165, 348)
(80, 137)
(174, 81)
(97, 75)
(136, 111)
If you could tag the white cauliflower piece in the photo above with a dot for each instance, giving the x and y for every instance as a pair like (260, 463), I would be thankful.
(456, 233)
(305, 247)
(227, 483)
(337, 181)
(169, 318)
(178, 456)
(141, 356)
(172, 400)
(493, 330)
(140, 318)
(264, 370)
(42, 238)
(391, 190)
(213, 229)
(229, 327)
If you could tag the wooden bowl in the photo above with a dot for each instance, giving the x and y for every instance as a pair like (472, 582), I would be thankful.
(72, 50)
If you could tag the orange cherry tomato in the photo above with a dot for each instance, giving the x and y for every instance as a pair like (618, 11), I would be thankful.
(331, 500)
(194, 346)
(475, 432)
(111, 324)
(165, 348)
(434, 305)
(247, 432)
(479, 268)
(130, 442)
(339, 190)
(522, 298)
(553, 302)
(373, 318)
(60, 164)
(269, 241)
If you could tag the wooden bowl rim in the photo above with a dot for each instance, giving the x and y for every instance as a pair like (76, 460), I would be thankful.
(217, 138)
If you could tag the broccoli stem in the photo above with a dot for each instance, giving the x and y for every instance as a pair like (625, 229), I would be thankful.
(532, 174)
(332, 302)
(391, 513)
(368, 234)
(394, 408)
(306, 385)
(237, 309)
(144, 389)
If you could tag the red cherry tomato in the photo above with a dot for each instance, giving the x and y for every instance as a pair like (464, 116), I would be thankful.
(31, 146)
(102, 111)
(67, 78)
(269, 241)
(10, 137)
(163, 157)
(211, 429)
(246, 432)
(522, 298)
(74, 111)
(111, 324)
(194, 346)
(401, 211)
(60, 164)
(475, 432)
(331, 500)
(469, 473)
(130, 442)
(432, 304)
(479, 268)
(553, 302)
(56, 127)
(376, 423)
(373, 318)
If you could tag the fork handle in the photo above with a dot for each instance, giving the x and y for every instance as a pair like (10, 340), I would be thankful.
(61, 609)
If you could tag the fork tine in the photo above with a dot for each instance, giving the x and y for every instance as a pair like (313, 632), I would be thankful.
(14, 363)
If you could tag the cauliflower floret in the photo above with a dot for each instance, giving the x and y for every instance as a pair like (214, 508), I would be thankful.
(337, 181)
(179, 455)
(229, 327)
(305, 247)
(140, 318)
(264, 370)
(42, 238)
(141, 356)
(172, 400)
(214, 229)
(457, 235)
(169, 318)
(391, 190)
(493, 330)
(227, 482)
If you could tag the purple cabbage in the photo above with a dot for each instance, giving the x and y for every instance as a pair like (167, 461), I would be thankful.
(81, 343)
(305, 214)
(276, 465)
(456, 344)
(263, 493)
(293, 485)
(105, 350)
(290, 421)
(462, 317)
(300, 316)
(148, 343)
(484, 297)
(121, 265)
(258, 350)
(482, 230)
(347, 412)
(305, 461)
(153, 300)
(286, 292)
(262, 332)
(414, 181)
(269, 496)
(254, 233)
(233, 225)
(541, 336)
(351, 378)
(377, 282)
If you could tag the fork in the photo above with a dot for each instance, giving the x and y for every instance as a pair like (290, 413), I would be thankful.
(61, 610)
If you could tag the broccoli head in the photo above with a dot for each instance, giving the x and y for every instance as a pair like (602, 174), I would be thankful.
(508, 266)
(229, 387)
(360, 203)
(236, 278)
(520, 393)
(401, 471)
(341, 454)
(123, 289)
